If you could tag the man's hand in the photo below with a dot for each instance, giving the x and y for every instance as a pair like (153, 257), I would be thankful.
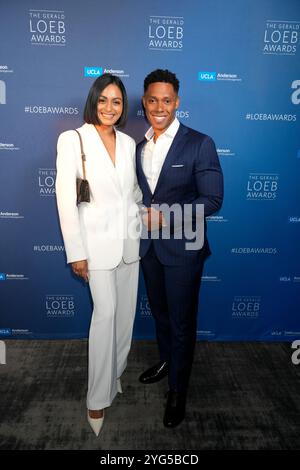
(152, 219)
(80, 268)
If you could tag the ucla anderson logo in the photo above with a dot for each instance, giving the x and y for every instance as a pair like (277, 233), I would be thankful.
(220, 76)
(207, 76)
(93, 71)
(5, 332)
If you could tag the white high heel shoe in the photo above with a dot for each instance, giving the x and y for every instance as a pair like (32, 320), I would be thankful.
(119, 386)
(96, 424)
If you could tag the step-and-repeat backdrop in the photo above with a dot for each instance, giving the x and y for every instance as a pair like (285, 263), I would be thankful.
(239, 68)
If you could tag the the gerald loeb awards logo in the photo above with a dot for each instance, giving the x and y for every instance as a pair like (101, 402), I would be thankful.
(46, 181)
(281, 37)
(47, 27)
(246, 306)
(60, 306)
(262, 186)
(165, 33)
(144, 306)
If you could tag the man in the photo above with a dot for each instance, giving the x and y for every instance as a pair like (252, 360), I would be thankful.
(178, 166)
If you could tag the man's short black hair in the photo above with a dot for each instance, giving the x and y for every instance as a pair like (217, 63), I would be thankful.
(160, 75)
(90, 114)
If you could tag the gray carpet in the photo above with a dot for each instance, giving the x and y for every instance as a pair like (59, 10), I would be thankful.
(242, 396)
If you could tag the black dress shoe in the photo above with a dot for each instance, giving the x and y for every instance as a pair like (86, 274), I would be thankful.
(154, 374)
(175, 409)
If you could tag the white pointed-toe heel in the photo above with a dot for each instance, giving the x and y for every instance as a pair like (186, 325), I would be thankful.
(119, 386)
(96, 424)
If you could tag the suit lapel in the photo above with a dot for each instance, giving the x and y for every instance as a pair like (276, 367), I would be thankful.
(100, 156)
(119, 171)
(175, 149)
(144, 181)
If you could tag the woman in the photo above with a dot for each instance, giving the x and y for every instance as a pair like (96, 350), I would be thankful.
(101, 236)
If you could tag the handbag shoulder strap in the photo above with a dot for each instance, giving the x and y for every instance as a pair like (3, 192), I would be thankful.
(83, 157)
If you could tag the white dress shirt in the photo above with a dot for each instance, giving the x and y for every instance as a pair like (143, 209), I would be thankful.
(154, 153)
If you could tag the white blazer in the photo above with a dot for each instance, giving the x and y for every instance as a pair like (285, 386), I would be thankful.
(106, 229)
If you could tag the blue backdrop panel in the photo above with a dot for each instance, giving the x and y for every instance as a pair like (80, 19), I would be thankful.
(238, 65)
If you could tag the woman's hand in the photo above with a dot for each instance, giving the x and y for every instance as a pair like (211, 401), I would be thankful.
(80, 268)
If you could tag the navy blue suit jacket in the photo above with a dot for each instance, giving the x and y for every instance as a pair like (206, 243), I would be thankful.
(191, 174)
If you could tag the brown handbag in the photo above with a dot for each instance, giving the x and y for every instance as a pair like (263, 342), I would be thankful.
(82, 184)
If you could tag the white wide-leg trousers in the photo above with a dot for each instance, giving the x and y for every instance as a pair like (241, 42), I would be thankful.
(114, 294)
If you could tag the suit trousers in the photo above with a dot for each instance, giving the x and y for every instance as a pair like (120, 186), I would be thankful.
(114, 294)
(173, 293)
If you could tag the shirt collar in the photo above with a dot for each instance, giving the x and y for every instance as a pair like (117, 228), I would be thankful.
(170, 131)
